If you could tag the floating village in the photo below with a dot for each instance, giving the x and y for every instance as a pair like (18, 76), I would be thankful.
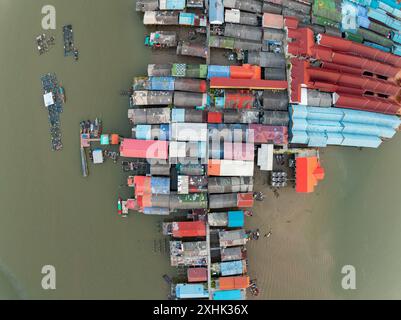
(254, 87)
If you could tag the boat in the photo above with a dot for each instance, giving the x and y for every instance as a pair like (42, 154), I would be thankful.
(167, 279)
(120, 206)
(61, 94)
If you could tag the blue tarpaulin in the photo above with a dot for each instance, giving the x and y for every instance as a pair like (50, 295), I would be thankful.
(236, 219)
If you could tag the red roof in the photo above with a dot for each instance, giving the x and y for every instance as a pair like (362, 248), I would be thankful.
(245, 200)
(247, 84)
(144, 149)
(246, 71)
(291, 22)
(308, 174)
(302, 42)
(240, 100)
(142, 185)
(359, 63)
(197, 274)
(298, 78)
(366, 103)
(353, 91)
(189, 229)
(343, 79)
(343, 45)
(214, 117)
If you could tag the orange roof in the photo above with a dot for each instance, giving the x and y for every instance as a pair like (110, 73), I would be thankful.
(229, 283)
(213, 168)
(308, 174)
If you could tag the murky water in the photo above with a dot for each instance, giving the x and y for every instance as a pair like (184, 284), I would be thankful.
(51, 215)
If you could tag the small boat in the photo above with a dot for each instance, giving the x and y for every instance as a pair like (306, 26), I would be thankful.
(120, 206)
(76, 54)
(167, 279)
(61, 94)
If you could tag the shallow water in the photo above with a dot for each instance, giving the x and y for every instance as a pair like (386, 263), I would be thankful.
(51, 215)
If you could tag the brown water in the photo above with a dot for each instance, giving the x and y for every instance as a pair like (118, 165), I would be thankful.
(51, 215)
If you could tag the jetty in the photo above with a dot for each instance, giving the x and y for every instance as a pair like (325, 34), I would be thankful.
(96, 144)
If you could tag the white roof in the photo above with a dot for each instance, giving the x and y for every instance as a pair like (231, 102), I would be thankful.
(48, 99)
(97, 156)
(232, 15)
(189, 132)
(236, 168)
(265, 157)
(183, 184)
(177, 149)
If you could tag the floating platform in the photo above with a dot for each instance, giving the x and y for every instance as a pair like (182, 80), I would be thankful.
(53, 96)
(69, 46)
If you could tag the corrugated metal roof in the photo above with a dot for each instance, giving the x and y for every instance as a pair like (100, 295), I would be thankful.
(320, 126)
(144, 149)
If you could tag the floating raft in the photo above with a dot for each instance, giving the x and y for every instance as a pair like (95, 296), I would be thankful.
(69, 46)
(53, 96)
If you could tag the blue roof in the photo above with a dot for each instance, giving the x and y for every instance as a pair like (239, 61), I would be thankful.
(164, 132)
(160, 185)
(162, 83)
(218, 71)
(396, 36)
(175, 4)
(236, 219)
(376, 46)
(228, 295)
(231, 268)
(190, 291)
(318, 127)
(186, 18)
(178, 115)
(143, 132)
(216, 11)
(380, 15)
